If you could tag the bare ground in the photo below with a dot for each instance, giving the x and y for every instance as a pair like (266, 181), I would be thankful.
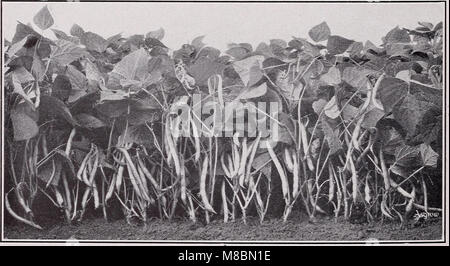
(273, 229)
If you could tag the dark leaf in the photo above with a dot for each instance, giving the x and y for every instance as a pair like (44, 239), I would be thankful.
(89, 121)
(203, 69)
(409, 113)
(320, 32)
(337, 44)
(53, 107)
(157, 34)
(77, 31)
(61, 88)
(397, 35)
(391, 92)
(94, 42)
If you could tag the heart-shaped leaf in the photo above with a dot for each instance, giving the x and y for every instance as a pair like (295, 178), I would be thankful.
(43, 19)
(428, 155)
(66, 52)
(157, 34)
(249, 69)
(77, 31)
(89, 121)
(332, 77)
(24, 126)
(320, 32)
(337, 44)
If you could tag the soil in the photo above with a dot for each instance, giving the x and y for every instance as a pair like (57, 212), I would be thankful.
(273, 229)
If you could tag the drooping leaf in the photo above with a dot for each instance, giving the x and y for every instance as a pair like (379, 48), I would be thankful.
(142, 116)
(51, 107)
(50, 169)
(332, 109)
(253, 92)
(262, 162)
(286, 129)
(337, 44)
(237, 52)
(43, 19)
(320, 32)
(204, 68)
(198, 42)
(410, 111)
(22, 75)
(391, 140)
(249, 69)
(24, 126)
(14, 48)
(355, 49)
(113, 108)
(94, 42)
(133, 66)
(406, 156)
(428, 155)
(38, 68)
(429, 129)
(19, 89)
(372, 117)
(157, 34)
(62, 87)
(332, 77)
(319, 105)
(62, 35)
(331, 135)
(139, 134)
(397, 35)
(66, 52)
(111, 95)
(92, 72)
(391, 92)
(89, 121)
(154, 43)
(78, 81)
(77, 31)
(349, 112)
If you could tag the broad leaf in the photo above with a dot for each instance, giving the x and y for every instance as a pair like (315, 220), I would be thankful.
(94, 42)
(409, 113)
(332, 77)
(253, 92)
(133, 66)
(24, 126)
(77, 31)
(204, 68)
(332, 109)
(249, 69)
(428, 156)
(66, 52)
(331, 135)
(397, 35)
(391, 92)
(337, 44)
(157, 34)
(43, 19)
(320, 32)
(62, 87)
(51, 107)
(89, 121)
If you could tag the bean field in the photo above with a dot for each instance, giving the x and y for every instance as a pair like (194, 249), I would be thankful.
(314, 138)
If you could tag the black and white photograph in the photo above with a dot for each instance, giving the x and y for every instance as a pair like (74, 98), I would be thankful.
(224, 123)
